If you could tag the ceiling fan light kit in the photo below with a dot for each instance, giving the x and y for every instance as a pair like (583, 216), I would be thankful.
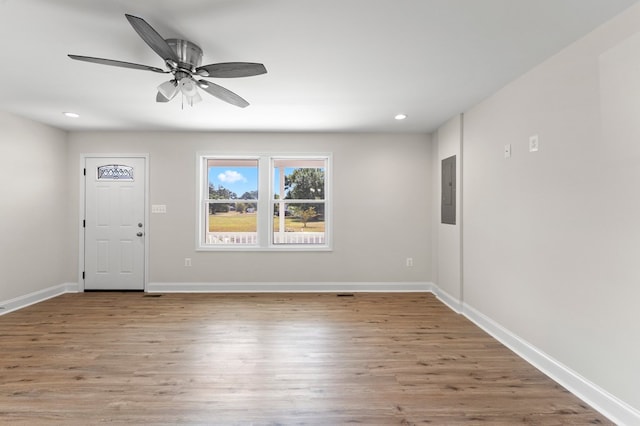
(168, 89)
(183, 60)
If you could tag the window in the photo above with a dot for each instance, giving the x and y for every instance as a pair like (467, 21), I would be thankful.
(115, 172)
(232, 201)
(298, 201)
(264, 202)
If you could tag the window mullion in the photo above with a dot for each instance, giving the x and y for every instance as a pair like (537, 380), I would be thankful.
(264, 191)
(282, 210)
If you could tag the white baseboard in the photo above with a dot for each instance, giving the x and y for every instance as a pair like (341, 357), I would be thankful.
(20, 302)
(293, 287)
(453, 303)
(616, 410)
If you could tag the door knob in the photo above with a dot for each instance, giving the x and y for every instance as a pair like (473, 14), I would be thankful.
(139, 234)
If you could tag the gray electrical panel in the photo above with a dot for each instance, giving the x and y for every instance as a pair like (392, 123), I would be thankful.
(448, 199)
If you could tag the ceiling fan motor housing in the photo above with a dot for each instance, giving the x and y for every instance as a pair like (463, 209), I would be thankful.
(189, 54)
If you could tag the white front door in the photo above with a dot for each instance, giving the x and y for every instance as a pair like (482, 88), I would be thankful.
(114, 245)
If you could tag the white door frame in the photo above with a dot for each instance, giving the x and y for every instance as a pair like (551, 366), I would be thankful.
(81, 211)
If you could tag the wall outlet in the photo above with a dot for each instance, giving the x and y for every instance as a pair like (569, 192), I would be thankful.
(533, 143)
(409, 262)
(187, 261)
(507, 151)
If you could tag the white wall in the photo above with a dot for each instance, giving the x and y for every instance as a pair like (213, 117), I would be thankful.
(446, 237)
(551, 239)
(382, 206)
(34, 247)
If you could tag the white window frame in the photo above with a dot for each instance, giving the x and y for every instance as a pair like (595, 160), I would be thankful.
(265, 195)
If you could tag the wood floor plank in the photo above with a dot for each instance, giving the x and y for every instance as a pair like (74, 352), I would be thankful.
(266, 359)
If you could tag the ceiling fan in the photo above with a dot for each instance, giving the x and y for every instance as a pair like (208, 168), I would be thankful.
(182, 59)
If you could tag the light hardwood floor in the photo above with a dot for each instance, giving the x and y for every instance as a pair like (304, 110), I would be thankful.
(266, 359)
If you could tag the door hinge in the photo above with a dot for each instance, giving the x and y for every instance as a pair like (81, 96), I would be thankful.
(83, 275)
(84, 172)
(84, 223)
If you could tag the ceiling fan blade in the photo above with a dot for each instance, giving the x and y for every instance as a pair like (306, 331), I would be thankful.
(231, 69)
(152, 38)
(222, 93)
(117, 63)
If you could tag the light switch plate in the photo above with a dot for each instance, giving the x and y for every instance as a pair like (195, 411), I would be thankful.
(533, 143)
(507, 151)
(158, 208)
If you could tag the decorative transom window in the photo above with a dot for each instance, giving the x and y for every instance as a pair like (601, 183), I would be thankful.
(264, 202)
(115, 172)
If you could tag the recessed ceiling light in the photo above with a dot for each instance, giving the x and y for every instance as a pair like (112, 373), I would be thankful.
(400, 116)
(71, 114)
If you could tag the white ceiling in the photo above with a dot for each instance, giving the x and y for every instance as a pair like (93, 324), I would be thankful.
(333, 65)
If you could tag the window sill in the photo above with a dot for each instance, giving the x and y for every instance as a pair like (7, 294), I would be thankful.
(263, 249)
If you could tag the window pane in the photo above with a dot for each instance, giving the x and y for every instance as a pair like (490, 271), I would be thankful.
(115, 172)
(301, 223)
(299, 179)
(232, 223)
(231, 179)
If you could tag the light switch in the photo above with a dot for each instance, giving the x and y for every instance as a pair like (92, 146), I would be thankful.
(158, 208)
(507, 151)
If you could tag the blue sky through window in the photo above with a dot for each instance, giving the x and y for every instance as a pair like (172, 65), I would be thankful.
(237, 179)
(240, 179)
